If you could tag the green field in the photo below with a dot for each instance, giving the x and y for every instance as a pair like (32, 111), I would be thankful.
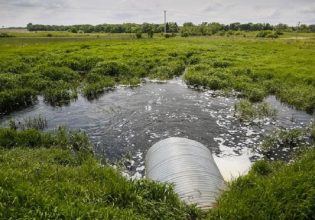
(61, 67)
(53, 175)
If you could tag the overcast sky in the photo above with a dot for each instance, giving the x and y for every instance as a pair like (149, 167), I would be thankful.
(21, 12)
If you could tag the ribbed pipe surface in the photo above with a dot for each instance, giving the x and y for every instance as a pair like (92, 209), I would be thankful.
(190, 166)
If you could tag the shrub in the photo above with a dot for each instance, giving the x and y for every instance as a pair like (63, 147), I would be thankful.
(139, 35)
(150, 34)
(168, 35)
(184, 34)
(268, 34)
(3, 35)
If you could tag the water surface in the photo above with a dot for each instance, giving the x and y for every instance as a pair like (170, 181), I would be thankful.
(127, 121)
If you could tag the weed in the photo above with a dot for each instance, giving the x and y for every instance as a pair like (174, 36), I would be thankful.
(247, 111)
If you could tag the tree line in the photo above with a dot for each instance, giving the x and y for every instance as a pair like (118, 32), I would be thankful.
(187, 28)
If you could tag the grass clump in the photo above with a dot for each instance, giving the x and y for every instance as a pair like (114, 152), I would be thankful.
(97, 88)
(59, 96)
(16, 98)
(38, 123)
(247, 111)
(271, 191)
(34, 138)
(111, 69)
(281, 139)
(267, 34)
(313, 131)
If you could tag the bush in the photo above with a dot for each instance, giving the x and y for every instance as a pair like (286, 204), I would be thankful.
(184, 34)
(3, 35)
(150, 34)
(268, 34)
(139, 35)
(168, 35)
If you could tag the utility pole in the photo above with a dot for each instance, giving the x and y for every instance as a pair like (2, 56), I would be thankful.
(297, 30)
(165, 21)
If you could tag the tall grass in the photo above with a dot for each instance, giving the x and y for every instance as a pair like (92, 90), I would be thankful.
(247, 111)
(53, 175)
(271, 191)
(253, 67)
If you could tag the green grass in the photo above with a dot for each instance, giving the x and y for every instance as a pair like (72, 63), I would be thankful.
(52, 184)
(271, 191)
(59, 67)
(247, 111)
(55, 176)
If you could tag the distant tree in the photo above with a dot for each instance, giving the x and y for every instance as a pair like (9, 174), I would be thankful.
(235, 26)
(29, 26)
(167, 27)
(312, 27)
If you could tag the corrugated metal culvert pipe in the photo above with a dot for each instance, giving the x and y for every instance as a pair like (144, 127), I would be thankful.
(190, 166)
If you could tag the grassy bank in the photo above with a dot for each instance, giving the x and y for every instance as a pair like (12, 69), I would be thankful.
(55, 176)
(271, 191)
(59, 68)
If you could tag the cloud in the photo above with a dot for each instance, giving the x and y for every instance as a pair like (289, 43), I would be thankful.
(20, 12)
(36, 3)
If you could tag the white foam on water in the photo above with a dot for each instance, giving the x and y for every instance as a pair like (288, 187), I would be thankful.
(231, 164)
